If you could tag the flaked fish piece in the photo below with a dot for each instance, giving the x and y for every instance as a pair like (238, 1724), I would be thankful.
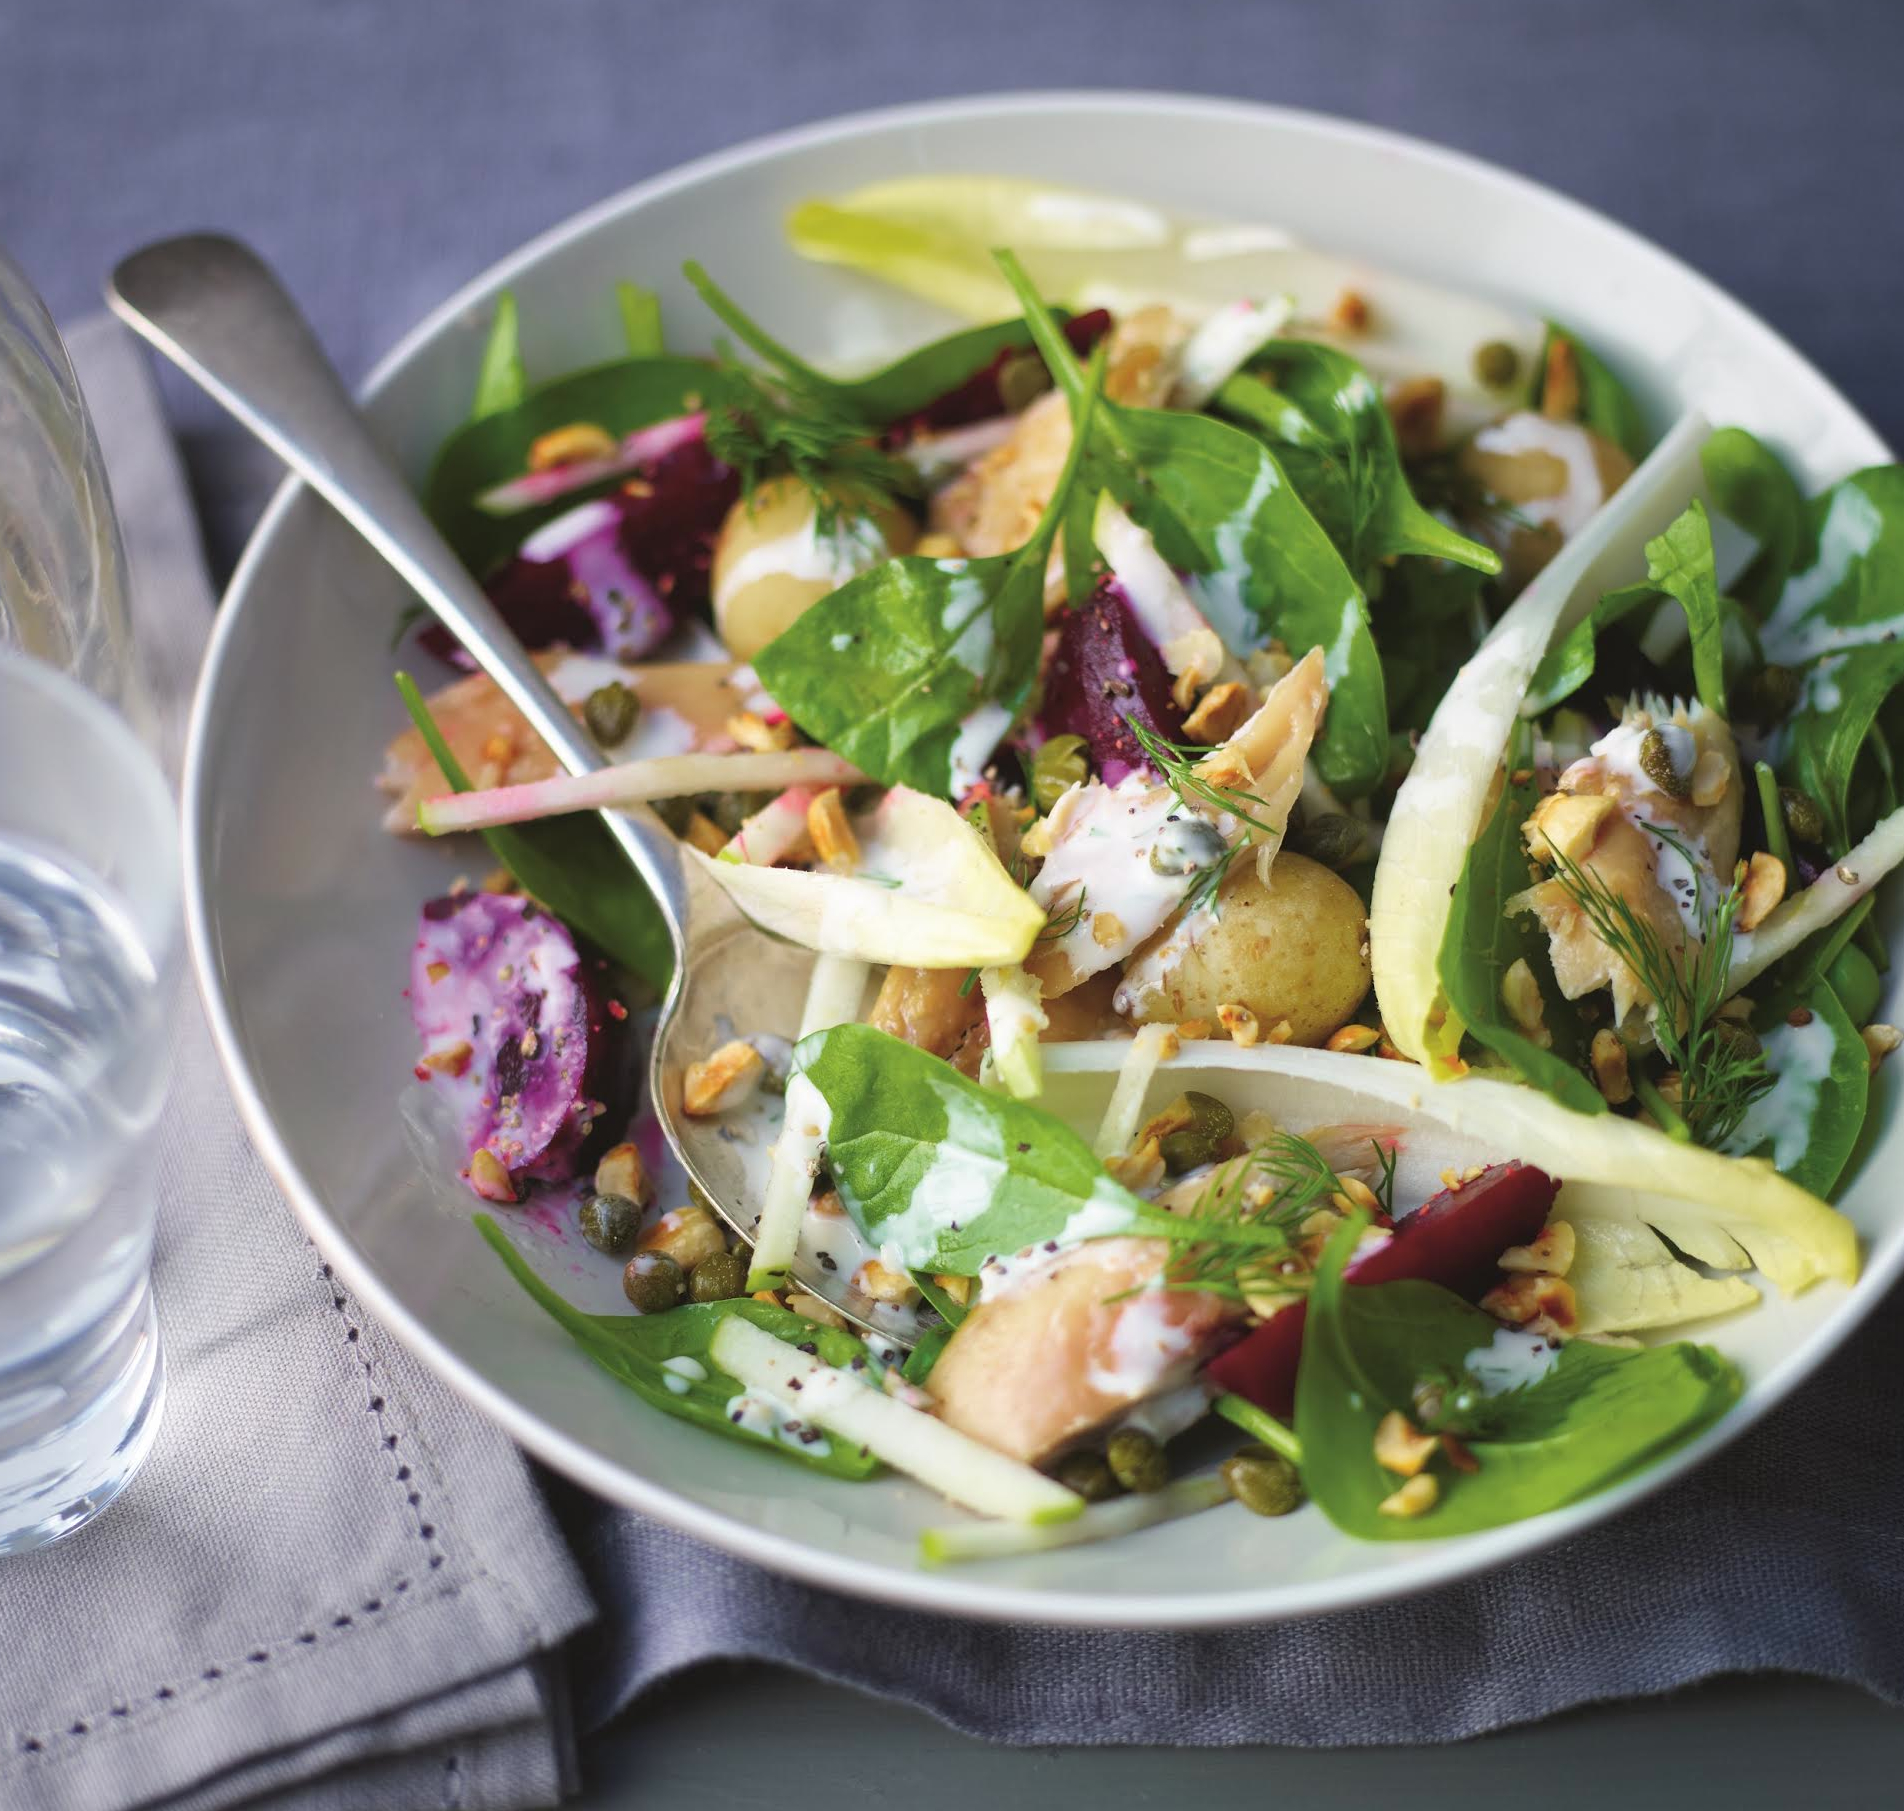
(1652, 812)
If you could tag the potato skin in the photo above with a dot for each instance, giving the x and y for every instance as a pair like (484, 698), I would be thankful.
(1296, 949)
(749, 615)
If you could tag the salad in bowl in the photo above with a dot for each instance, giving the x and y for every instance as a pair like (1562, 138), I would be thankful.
(1335, 858)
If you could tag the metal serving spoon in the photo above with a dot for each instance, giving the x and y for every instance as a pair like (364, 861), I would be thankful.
(215, 309)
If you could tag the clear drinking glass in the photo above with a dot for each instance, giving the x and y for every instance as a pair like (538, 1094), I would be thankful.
(89, 907)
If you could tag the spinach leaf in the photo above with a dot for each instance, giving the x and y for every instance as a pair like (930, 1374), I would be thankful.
(1606, 406)
(1831, 727)
(1851, 590)
(1751, 487)
(915, 670)
(1220, 507)
(500, 378)
(640, 311)
(1483, 940)
(572, 866)
(1808, 1121)
(620, 397)
(1680, 563)
(1599, 1414)
(1337, 444)
(943, 1173)
(632, 1349)
(1429, 620)
(923, 1356)
(885, 396)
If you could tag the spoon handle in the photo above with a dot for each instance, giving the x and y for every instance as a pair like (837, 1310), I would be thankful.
(215, 309)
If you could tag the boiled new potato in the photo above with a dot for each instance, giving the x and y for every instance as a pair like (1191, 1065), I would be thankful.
(1296, 949)
(773, 561)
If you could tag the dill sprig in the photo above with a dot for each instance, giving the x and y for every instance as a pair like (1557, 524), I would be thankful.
(764, 430)
(1720, 1072)
(1240, 1236)
(1061, 924)
(1178, 762)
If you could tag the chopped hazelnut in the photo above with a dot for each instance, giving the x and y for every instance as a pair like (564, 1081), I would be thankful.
(685, 1234)
(753, 732)
(1520, 994)
(1566, 824)
(1879, 1042)
(621, 1172)
(833, 838)
(723, 1081)
(1549, 1253)
(453, 1059)
(1400, 1446)
(1243, 1025)
(1416, 1497)
(810, 1307)
(704, 834)
(1763, 888)
(1560, 393)
(1218, 713)
(1541, 1304)
(564, 446)
(884, 1285)
(1354, 1038)
(488, 1177)
(1608, 1060)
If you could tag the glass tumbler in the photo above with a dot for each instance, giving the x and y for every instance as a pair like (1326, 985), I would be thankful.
(89, 914)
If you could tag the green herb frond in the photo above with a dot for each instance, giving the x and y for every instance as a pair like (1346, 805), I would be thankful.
(765, 430)
(1720, 1072)
(1177, 762)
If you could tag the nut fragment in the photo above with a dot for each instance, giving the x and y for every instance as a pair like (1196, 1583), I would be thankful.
(1416, 1497)
(1566, 824)
(1879, 1042)
(811, 1307)
(563, 446)
(488, 1177)
(1355, 1196)
(937, 546)
(1608, 1060)
(1541, 1304)
(1243, 1025)
(1282, 1032)
(1107, 929)
(1763, 888)
(1139, 1169)
(723, 1081)
(1400, 1446)
(1218, 712)
(1350, 313)
(1560, 393)
(833, 838)
(437, 971)
(1416, 406)
(1355, 1038)
(1711, 775)
(1193, 1029)
(883, 1284)
(1549, 1253)
(958, 1288)
(452, 1059)
(754, 733)
(704, 834)
(686, 1234)
(621, 1172)
(1520, 994)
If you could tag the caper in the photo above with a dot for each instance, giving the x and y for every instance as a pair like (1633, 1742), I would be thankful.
(1496, 364)
(1186, 844)
(1854, 979)
(1265, 1483)
(610, 1222)
(1136, 1460)
(1331, 837)
(1088, 1474)
(653, 1282)
(1022, 380)
(719, 1277)
(1803, 819)
(610, 713)
(1656, 762)
(1201, 1141)
(1772, 693)
(1057, 766)
(1741, 1041)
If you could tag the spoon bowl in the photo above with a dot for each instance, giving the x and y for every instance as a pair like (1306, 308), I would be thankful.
(215, 309)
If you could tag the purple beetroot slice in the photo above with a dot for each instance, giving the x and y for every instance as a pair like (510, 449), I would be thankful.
(1103, 671)
(981, 396)
(615, 575)
(513, 1026)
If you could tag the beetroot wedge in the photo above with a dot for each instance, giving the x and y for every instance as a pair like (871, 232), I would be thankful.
(1456, 1240)
(1104, 673)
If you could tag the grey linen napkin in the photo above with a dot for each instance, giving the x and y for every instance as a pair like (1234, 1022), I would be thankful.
(333, 1584)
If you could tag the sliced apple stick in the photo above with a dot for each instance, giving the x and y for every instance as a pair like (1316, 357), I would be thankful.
(635, 783)
(1100, 1522)
(907, 1439)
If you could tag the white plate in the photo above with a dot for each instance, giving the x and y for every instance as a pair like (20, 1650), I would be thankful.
(302, 908)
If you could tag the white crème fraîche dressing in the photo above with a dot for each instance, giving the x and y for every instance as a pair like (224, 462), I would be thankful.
(1685, 883)
(842, 550)
(1799, 1057)
(681, 1371)
(1511, 1361)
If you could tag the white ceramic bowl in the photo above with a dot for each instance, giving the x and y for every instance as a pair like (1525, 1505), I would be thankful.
(302, 908)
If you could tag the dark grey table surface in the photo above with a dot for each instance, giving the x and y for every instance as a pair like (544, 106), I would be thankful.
(383, 153)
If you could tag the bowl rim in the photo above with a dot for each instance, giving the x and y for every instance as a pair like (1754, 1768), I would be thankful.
(964, 1594)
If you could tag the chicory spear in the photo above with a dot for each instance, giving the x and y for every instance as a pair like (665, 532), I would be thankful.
(1219, 506)
(916, 670)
